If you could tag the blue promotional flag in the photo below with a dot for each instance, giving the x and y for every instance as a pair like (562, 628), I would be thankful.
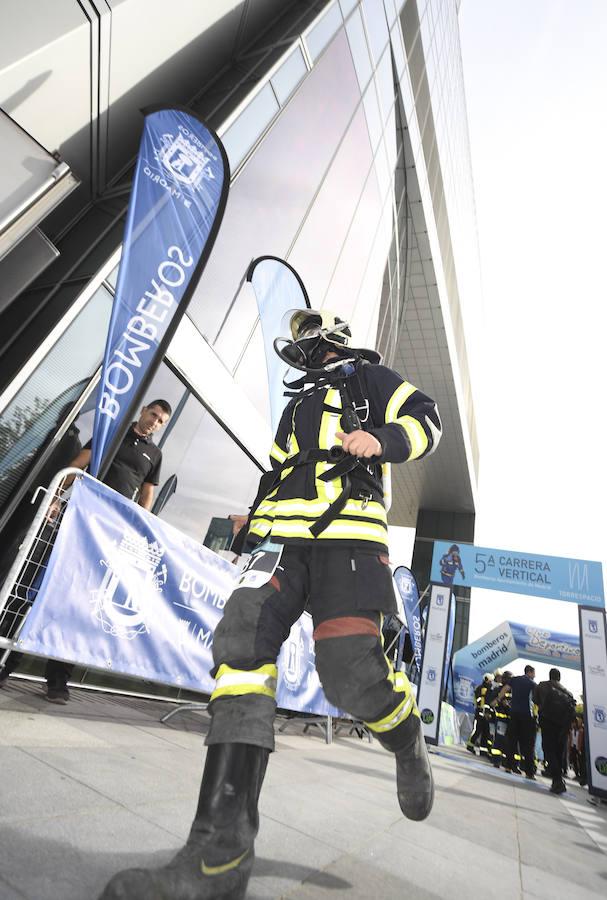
(409, 592)
(450, 632)
(177, 202)
(278, 288)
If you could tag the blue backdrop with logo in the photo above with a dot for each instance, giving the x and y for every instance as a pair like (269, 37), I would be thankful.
(126, 592)
(504, 644)
(551, 577)
(175, 209)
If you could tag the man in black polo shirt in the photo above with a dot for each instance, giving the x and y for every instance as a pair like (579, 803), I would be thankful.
(134, 473)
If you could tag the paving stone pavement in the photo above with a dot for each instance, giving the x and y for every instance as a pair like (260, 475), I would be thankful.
(100, 784)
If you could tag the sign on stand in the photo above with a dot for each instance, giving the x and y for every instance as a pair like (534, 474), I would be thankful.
(593, 639)
(431, 683)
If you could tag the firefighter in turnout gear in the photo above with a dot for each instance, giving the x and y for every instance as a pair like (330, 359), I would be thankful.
(478, 738)
(318, 533)
(501, 706)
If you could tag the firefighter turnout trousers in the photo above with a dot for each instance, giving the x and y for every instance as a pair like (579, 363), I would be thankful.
(347, 589)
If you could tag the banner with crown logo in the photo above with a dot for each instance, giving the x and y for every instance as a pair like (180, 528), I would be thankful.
(126, 592)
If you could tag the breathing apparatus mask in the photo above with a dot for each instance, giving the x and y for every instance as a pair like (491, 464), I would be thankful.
(314, 333)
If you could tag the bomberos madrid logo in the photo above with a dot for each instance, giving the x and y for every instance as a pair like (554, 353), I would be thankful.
(182, 164)
(431, 675)
(593, 626)
(599, 716)
(295, 667)
(182, 159)
(600, 764)
(134, 566)
(427, 716)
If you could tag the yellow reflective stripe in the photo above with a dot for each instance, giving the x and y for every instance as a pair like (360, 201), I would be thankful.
(329, 425)
(277, 453)
(416, 434)
(226, 867)
(398, 715)
(235, 682)
(386, 472)
(340, 529)
(400, 396)
(315, 508)
(293, 445)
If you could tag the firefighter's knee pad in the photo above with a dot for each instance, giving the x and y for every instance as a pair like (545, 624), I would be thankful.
(237, 636)
(353, 672)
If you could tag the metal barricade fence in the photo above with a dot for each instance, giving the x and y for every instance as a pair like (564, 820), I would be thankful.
(24, 578)
(20, 588)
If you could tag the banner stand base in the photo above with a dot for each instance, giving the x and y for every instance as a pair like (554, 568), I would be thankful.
(186, 707)
(325, 723)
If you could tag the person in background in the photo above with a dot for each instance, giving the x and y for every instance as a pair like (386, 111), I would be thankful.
(480, 732)
(134, 473)
(557, 712)
(521, 728)
(577, 756)
(451, 563)
(11, 617)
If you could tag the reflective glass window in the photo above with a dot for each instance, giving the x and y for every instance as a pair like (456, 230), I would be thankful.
(377, 29)
(237, 328)
(390, 7)
(42, 403)
(212, 475)
(384, 174)
(112, 278)
(320, 35)
(318, 246)
(359, 49)
(385, 84)
(396, 42)
(373, 115)
(289, 75)
(269, 198)
(347, 6)
(252, 376)
(348, 275)
(250, 124)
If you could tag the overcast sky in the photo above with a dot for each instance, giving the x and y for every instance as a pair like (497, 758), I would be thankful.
(536, 83)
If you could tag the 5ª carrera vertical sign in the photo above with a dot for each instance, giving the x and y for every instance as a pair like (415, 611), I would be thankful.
(553, 577)
(177, 201)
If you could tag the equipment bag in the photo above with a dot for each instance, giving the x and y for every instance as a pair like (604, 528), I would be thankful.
(559, 706)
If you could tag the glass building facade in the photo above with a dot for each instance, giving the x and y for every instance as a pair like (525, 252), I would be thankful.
(345, 127)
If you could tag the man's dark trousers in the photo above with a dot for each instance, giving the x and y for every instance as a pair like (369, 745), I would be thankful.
(521, 730)
(554, 741)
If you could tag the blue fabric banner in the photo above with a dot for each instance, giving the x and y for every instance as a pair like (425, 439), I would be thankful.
(551, 577)
(126, 592)
(177, 201)
(278, 288)
(298, 682)
(501, 646)
(409, 592)
(447, 680)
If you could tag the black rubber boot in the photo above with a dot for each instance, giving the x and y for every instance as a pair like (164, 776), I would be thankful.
(217, 859)
(414, 781)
